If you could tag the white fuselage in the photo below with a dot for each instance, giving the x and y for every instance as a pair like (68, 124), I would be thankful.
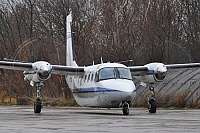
(90, 91)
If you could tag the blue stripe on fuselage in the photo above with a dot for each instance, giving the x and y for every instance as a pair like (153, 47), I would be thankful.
(94, 89)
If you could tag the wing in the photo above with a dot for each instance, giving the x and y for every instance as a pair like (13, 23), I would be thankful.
(183, 66)
(156, 72)
(145, 68)
(67, 70)
(55, 69)
(16, 65)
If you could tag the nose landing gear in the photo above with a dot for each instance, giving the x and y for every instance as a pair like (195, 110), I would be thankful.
(152, 105)
(125, 108)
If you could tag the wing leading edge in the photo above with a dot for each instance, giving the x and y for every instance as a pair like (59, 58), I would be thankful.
(56, 69)
(16, 65)
(67, 70)
(179, 66)
(156, 72)
(170, 66)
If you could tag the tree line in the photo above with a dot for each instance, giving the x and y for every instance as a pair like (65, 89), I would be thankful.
(144, 31)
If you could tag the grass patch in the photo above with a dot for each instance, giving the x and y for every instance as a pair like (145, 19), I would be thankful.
(60, 102)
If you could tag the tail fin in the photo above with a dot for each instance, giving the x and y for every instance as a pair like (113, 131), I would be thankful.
(69, 51)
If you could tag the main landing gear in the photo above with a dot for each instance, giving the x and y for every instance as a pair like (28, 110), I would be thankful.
(125, 108)
(38, 101)
(152, 105)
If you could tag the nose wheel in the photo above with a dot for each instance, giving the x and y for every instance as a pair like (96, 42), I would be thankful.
(125, 108)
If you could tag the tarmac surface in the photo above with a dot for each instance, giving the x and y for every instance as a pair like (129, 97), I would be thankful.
(78, 120)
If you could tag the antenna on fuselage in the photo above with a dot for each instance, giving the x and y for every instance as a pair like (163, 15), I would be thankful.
(101, 60)
(121, 62)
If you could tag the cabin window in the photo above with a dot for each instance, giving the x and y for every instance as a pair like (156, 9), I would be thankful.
(82, 79)
(85, 78)
(78, 80)
(92, 77)
(88, 78)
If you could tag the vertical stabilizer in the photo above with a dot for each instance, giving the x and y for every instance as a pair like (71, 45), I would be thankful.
(69, 52)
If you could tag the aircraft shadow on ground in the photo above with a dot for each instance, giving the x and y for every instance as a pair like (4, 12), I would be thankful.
(100, 113)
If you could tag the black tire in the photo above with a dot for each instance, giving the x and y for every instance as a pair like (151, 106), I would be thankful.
(125, 109)
(152, 106)
(37, 106)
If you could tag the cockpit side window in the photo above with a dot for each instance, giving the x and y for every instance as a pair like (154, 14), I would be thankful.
(107, 73)
(124, 73)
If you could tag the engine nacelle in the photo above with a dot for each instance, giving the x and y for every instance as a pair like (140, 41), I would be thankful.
(35, 76)
(42, 77)
(156, 73)
(41, 72)
(159, 77)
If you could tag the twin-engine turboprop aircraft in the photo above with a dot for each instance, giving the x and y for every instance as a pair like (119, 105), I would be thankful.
(105, 85)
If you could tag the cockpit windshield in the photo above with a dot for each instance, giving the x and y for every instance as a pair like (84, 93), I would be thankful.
(114, 73)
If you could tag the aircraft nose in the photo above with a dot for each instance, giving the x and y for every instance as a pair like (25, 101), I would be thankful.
(128, 91)
(125, 87)
(128, 96)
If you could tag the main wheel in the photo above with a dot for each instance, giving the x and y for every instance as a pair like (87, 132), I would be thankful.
(37, 106)
(152, 106)
(125, 108)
